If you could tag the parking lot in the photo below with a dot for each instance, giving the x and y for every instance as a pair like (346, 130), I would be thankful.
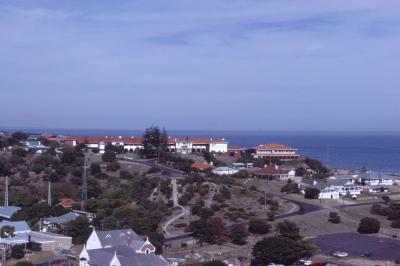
(356, 244)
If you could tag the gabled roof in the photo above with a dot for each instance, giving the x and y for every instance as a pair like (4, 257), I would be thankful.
(62, 219)
(8, 211)
(235, 148)
(68, 202)
(202, 166)
(271, 170)
(125, 255)
(18, 225)
(273, 147)
(375, 175)
(121, 237)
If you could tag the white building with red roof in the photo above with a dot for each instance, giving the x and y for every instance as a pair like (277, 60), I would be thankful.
(132, 143)
(275, 151)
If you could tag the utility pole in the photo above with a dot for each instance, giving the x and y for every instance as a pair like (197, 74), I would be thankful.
(84, 184)
(6, 194)
(265, 199)
(49, 195)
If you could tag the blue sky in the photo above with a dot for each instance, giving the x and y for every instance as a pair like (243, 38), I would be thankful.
(210, 64)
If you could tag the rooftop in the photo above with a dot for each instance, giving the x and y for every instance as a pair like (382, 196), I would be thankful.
(273, 147)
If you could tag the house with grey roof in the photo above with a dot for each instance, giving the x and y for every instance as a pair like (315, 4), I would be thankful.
(376, 179)
(34, 145)
(121, 247)
(23, 235)
(55, 223)
(7, 211)
(332, 188)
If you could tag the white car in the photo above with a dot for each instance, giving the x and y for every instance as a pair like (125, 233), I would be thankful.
(340, 254)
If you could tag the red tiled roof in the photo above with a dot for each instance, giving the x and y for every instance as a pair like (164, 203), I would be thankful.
(196, 140)
(271, 170)
(273, 147)
(235, 148)
(132, 139)
(97, 139)
(201, 166)
(68, 203)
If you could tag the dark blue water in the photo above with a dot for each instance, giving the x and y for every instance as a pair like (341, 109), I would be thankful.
(374, 150)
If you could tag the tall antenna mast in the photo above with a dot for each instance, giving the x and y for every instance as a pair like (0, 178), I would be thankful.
(49, 194)
(6, 194)
(84, 184)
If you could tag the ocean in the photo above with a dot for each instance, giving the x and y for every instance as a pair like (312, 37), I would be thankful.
(377, 151)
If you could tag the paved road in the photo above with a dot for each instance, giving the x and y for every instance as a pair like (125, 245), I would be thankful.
(153, 163)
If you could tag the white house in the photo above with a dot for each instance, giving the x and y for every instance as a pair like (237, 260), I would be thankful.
(332, 188)
(224, 170)
(275, 151)
(376, 179)
(132, 143)
(119, 248)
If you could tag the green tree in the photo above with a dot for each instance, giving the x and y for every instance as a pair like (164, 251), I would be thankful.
(154, 142)
(280, 250)
(220, 233)
(109, 156)
(311, 193)
(369, 225)
(17, 252)
(202, 230)
(288, 229)
(239, 234)
(19, 135)
(258, 226)
(18, 151)
(95, 168)
(78, 229)
(7, 231)
(334, 217)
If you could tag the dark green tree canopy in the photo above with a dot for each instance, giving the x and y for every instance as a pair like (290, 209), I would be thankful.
(154, 142)
(288, 229)
(280, 250)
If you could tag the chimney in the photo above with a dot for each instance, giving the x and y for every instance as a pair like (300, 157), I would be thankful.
(129, 241)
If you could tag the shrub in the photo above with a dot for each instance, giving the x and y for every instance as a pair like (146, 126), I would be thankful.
(271, 216)
(369, 225)
(311, 193)
(376, 209)
(215, 207)
(153, 170)
(17, 252)
(95, 168)
(239, 234)
(180, 225)
(113, 166)
(23, 263)
(395, 224)
(334, 217)
(257, 226)
(34, 246)
(109, 156)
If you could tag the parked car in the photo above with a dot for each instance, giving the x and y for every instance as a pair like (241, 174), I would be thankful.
(366, 254)
(340, 254)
